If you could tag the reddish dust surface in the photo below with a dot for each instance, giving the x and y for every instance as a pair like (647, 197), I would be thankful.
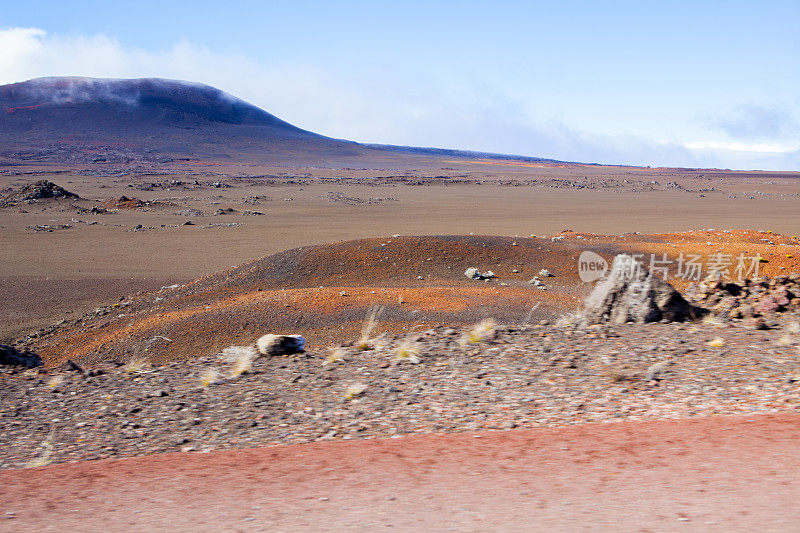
(712, 474)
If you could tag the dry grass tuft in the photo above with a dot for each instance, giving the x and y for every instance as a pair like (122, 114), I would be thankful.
(208, 377)
(336, 355)
(785, 340)
(136, 365)
(569, 320)
(241, 359)
(656, 371)
(55, 381)
(45, 457)
(711, 320)
(354, 391)
(479, 332)
(527, 320)
(408, 351)
(717, 342)
(366, 342)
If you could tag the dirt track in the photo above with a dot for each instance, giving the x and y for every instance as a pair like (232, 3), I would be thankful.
(714, 474)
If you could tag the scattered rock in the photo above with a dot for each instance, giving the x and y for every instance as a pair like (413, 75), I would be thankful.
(273, 345)
(752, 297)
(474, 273)
(71, 366)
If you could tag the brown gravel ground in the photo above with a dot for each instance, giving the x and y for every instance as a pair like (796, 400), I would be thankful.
(504, 377)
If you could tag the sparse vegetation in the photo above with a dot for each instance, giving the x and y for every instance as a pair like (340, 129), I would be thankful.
(479, 332)
(241, 359)
(45, 456)
(785, 340)
(354, 391)
(208, 377)
(529, 316)
(365, 342)
(656, 371)
(55, 381)
(136, 365)
(408, 351)
(717, 342)
(712, 320)
(336, 355)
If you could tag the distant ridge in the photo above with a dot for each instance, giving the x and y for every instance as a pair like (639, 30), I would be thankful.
(151, 121)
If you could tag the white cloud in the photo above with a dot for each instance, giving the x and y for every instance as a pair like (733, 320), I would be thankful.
(372, 105)
(737, 146)
(760, 122)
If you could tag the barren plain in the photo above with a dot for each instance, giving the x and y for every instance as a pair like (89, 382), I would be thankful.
(198, 223)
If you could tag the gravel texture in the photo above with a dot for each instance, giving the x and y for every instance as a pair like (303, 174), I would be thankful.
(440, 380)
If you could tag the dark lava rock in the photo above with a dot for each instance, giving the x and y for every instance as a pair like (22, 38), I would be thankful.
(39, 190)
(10, 356)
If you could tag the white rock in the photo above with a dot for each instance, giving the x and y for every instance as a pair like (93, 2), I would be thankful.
(280, 344)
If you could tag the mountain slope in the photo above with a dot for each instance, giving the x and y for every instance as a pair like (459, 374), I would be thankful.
(87, 120)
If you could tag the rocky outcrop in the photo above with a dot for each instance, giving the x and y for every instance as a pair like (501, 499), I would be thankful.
(39, 190)
(629, 293)
(752, 297)
(10, 356)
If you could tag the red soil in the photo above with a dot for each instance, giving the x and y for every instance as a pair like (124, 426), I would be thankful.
(714, 474)
(123, 202)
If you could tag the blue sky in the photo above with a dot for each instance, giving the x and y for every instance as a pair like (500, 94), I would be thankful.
(678, 83)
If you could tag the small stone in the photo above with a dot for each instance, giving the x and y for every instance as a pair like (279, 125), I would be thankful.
(281, 344)
(472, 273)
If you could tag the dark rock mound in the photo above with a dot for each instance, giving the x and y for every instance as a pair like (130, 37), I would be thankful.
(629, 293)
(39, 190)
(10, 356)
(752, 297)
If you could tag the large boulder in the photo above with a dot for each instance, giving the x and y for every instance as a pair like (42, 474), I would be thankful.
(629, 293)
